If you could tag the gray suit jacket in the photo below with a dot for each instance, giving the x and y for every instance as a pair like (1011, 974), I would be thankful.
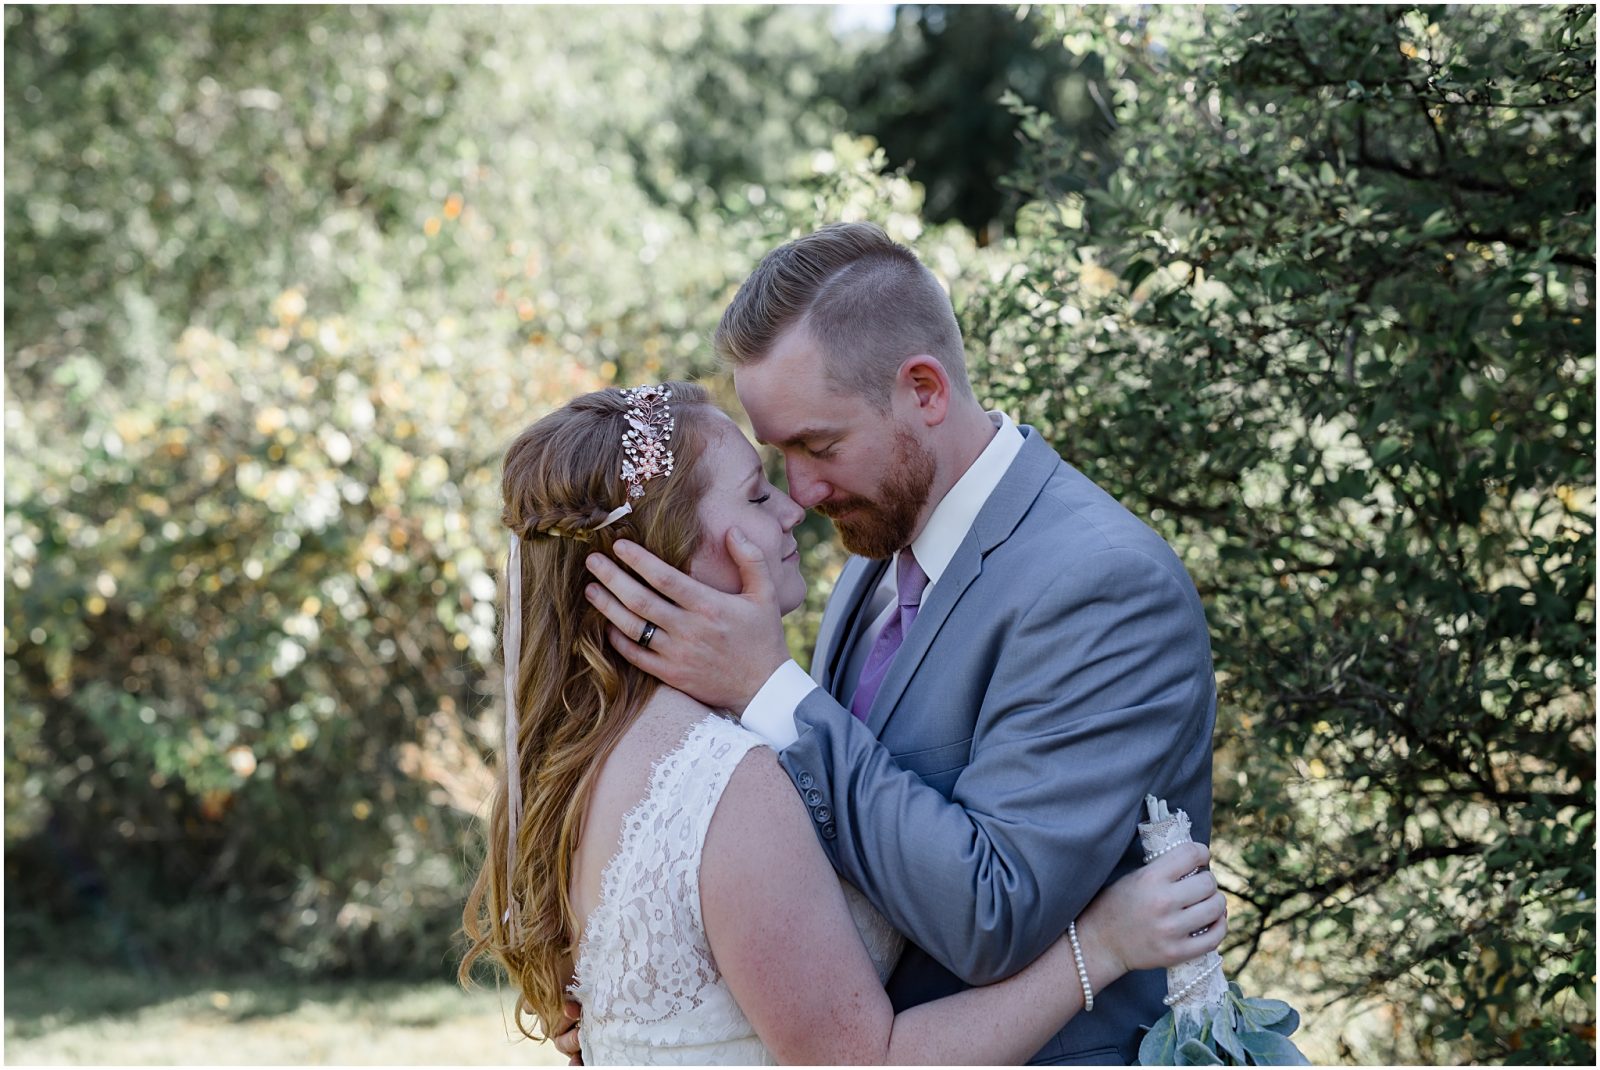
(1058, 671)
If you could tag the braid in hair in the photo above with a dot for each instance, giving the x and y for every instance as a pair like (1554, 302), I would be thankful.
(577, 523)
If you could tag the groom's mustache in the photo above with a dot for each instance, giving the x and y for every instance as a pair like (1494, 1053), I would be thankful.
(833, 508)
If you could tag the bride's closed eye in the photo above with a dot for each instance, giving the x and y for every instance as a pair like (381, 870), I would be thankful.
(760, 500)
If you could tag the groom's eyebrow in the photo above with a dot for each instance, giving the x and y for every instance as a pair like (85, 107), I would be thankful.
(805, 435)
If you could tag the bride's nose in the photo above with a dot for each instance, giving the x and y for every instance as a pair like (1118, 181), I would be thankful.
(790, 512)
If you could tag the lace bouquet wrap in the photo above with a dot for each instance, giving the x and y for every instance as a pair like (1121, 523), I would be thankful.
(1211, 1022)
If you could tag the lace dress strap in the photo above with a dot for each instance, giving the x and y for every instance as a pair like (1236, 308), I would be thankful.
(644, 958)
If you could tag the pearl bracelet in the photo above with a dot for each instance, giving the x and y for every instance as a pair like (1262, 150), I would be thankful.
(1083, 971)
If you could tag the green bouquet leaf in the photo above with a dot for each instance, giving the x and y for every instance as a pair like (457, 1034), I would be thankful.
(1272, 1049)
(1228, 1040)
(1197, 1053)
(1160, 1045)
(1240, 1031)
(1267, 1014)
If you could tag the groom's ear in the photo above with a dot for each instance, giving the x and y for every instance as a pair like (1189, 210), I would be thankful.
(923, 383)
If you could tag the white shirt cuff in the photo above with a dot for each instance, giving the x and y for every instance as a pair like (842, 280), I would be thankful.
(770, 714)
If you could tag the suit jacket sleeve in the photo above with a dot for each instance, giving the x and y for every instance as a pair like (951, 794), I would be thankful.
(1102, 689)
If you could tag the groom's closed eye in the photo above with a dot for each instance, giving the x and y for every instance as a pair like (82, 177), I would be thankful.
(815, 442)
(813, 450)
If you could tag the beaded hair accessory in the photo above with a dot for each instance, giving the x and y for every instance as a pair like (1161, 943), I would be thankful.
(645, 456)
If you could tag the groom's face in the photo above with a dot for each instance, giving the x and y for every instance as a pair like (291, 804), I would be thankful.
(862, 467)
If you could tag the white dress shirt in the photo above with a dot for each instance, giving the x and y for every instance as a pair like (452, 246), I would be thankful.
(770, 713)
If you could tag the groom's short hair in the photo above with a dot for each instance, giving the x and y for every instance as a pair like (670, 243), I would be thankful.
(864, 299)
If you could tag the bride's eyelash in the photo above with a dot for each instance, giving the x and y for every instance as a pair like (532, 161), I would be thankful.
(760, 500)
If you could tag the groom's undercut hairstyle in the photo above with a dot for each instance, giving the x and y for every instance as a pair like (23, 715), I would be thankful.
(866, 301)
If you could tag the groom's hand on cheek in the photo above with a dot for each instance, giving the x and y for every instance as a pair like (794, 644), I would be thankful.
(719, 648)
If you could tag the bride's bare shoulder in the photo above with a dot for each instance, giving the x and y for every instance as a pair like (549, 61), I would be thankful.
(759, 806)
(659, 728)
(673, 706)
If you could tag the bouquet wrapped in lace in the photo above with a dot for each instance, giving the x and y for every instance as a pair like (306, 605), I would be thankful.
(1211, 1023)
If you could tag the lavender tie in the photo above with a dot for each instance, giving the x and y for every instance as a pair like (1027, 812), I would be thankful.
(911, 581)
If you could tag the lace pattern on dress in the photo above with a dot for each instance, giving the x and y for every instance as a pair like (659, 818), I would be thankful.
(644, 957)
(651, 992)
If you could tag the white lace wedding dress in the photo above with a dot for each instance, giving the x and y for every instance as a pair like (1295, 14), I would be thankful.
(650, 990)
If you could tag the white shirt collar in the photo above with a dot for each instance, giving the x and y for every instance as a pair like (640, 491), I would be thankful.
(953, 517)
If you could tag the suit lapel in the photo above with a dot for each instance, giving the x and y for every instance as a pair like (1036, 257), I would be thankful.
(858, 579)
(1010, 501)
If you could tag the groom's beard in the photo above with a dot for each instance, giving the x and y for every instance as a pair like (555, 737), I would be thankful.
(880, 526)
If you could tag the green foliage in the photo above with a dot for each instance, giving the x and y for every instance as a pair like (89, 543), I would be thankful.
(1330, 327)
(731, 118)
(281, 284)
(932, 94)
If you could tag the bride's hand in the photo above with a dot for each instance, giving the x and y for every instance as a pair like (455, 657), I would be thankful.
(1146, 919)
(565, 1037)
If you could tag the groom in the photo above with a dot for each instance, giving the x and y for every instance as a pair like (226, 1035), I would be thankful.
(1008, 665)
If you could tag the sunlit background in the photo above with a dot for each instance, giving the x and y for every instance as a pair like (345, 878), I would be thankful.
(1310, 289)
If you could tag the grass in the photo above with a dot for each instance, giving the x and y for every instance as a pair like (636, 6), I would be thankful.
(70, 1014)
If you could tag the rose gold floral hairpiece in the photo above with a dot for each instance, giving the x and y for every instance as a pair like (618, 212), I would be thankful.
(645, 454)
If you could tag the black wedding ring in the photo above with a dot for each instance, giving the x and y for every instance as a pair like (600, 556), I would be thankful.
(648, 634)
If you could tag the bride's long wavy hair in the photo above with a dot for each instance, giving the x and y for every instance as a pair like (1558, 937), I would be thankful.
(575, 695)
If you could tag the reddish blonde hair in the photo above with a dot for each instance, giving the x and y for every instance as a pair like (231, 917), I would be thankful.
(575, 695)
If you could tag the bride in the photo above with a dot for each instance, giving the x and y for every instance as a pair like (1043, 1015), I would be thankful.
(648, 856)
